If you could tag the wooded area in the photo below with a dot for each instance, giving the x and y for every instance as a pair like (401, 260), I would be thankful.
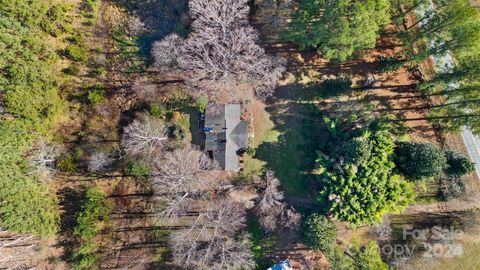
(353, 110)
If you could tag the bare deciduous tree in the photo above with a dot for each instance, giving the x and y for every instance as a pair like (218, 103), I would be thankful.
(99, 161)
(223, 15)
(272, 211)
(221, 57)
(210, 242)
(173, 206)
(290, 219)
(166, 52)
(16, 250)
(144, 138)
(43, 158)
(230, 68)
(271, 204)
(178, 176)
(182, 170)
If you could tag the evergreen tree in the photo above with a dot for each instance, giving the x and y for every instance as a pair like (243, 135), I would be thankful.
(339, 28)
(360, 190)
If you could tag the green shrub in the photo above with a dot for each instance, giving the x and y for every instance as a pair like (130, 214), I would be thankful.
(75, 38)
(67, 164)
(420, 160)
(91, 5)
(137, 168)
(458, 164)
(84, 260)
(96, 96)
(201, 102)
(367, 256)
(68, 27)
(157, 110)
(76, 53)
(98, 71)
(71, 70)
(319, 233)
(389, 64)
(336, 87)
(94, 209)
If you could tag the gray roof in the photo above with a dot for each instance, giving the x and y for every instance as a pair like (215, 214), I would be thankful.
(228, 136)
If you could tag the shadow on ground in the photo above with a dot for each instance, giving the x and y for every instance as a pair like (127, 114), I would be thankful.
(161, 17)
(293, 155)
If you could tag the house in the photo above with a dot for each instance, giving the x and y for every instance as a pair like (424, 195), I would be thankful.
(226, 136)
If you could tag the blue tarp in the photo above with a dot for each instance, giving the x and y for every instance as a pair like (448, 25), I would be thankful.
(285, 265)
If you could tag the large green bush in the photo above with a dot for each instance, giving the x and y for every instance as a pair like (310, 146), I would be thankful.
(361, 188)
(420, 160)
(458, 164)
(319, 233)
(358, 185)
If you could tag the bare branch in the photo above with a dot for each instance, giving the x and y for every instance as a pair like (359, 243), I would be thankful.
(16, 250)
(221, 57)
(182, 170)
(271, 210)
(271, 205)
(290, 219)
(99, 161)
(166, 52)
(222, 15)
(144, 138)
(210, 243)
(43, 158)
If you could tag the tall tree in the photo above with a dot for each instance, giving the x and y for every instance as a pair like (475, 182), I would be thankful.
(454, 26)
(338, 29)
(213, 241)
(220, 57)
(361, 189)
(144, 138)
(271, 209)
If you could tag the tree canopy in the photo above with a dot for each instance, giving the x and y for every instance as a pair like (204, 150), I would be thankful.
(359, 186)
(319, 233)
(420, 160)
(338, 29)
(31, 105)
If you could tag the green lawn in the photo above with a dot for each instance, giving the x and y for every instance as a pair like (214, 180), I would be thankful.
(289, 145)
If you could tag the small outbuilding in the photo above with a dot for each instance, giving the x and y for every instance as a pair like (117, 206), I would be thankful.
(226, 135)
